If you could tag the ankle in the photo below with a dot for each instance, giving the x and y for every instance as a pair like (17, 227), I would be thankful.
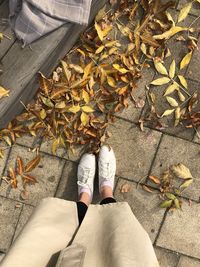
(85, 198)
(106, 191)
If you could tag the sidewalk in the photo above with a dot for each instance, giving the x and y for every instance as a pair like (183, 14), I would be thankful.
(175, 235)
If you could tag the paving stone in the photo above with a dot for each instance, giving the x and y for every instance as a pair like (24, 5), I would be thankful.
(188, 262)
(144, 205)
(24, 216)
(134, 149)
(26, 140)
(8, 221)
(180, 231)
(47, 173)
(6, 150)
(173, 151)
(166, 258)
(132, 113)
(193, 71)
(71, 154)
(195, 7)
(197, 138)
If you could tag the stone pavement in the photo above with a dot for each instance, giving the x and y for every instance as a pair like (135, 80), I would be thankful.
(175, 235)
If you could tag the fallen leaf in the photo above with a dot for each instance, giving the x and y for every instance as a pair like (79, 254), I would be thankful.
(172, 69)
(172, 101)
(148, 189)
(120, 69)
(155, 179)
(183, 81)
(87, 109)
(160, 68)
(125, 188)
(170, 33)
(32, 164)
(19, 165)
(166, 203)
(167, 112)
(170, 89)
(74, 109)
(184, 11)
(24, 195)
(170, 196)
(186, 183)
(3, 92)
(186, 60)
(84, 118)
(181, 171)
(160, 81)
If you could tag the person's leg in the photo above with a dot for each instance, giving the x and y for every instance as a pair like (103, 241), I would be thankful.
(107, 169)
(86, 174)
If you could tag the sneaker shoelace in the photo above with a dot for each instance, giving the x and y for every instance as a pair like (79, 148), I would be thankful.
(85, 175)
(105, 171)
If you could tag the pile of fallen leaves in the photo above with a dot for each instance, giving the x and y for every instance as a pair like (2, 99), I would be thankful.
(99, 76)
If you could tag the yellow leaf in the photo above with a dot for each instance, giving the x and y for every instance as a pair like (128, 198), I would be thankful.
(170, 89)
(100, 49)
(124, 30)
(3, 92)
(177, 116)
(186, 183)
(87, 109)
(60, 105)
(85, 96)
(84, 118)
(160, 81)
(102, 33)
(169, 17)
(143, 48)
(181, 171)
(167, 112)
(160, 68)
(120, 69)
(87, 70)
(77, 68)
(181, 96)
(54, 146)
(172, 69)
(74, 109)
(170, 33)
(122, 90)
(43, 114)
(186, 60)
(184, 11)
(111, 81)
(112, 43)
(172, 101)
(7, 140)
(66, 71)
(183, 81)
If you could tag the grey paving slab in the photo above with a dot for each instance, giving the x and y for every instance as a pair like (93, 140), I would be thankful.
(197, 137)
(173, 151)
(6, 150)
(66, 153)
(144, 205)
(47, 173)
(134, 149)
(9, 216)
(133, 111)
(166, 258)
(180, 231)
(193, 71)
(26, 140)
(188, 262)
(24, 217)
(195, 7)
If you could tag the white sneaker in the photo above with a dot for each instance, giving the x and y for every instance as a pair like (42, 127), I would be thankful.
(107, 167)
(86, 174)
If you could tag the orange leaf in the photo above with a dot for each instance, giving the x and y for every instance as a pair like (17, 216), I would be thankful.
(32, 164)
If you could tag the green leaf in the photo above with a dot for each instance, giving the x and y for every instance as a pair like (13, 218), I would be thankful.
(177, 203)
(170, 196)
(47, 102)
(166, 203)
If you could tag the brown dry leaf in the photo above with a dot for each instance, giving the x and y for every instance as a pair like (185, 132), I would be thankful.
(19, 165)
(102, 33)
(45, 84)
(154, 179)
(28, 178)
(66, 70)
(3, 92)
(32, 164)
(125, 188)
(147, 188)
